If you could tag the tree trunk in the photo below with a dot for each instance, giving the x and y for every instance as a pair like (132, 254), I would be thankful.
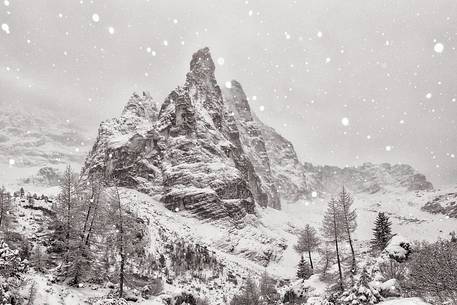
(2, 209)
(310, 260)
(121, 247)
(353, 270)
(338, 252)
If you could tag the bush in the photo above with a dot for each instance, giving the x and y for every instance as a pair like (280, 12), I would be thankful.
(185, 298)
(432, 270)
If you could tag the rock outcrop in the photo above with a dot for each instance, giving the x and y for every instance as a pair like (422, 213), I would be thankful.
(190, 152)
(205, 151)
(252, 139)
(367, 178)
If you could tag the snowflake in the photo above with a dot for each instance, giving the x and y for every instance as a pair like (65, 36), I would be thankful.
(319, 34)
(228, 84)
(345, 121)
(439, 47)
(111, 30)
(5, 28)
(388, 148)
(262, 108)
(428, 95)
(95, 18)
(220, 61)
(12, 162)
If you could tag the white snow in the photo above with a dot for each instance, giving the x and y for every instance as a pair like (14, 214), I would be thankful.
(405, 301)
(95, 17)
(345, 121)
(439, 47)
(5, 28)
(220, 61)
(111, 30)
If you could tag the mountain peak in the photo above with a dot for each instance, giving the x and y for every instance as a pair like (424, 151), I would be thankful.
(202, 62)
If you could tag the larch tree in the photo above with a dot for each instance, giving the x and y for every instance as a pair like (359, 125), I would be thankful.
(382, 232)
(333, 230)
(67, 200)
(307, 242)
(349, 220)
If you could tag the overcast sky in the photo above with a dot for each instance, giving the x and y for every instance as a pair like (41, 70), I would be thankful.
(345, 81)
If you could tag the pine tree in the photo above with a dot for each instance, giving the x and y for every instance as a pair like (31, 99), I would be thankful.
(303, 270)
(382, 232)
(307, 242)
(348, 218)
(5, 209)
(333, 230)
(268, 291)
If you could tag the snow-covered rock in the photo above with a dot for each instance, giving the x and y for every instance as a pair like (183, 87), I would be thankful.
(189, 153)
(398, 248)
(445, 204)
(367, 178)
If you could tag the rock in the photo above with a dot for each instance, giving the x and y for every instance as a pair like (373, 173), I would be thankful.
(189, 152)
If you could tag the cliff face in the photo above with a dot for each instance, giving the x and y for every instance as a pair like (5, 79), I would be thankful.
(252, 139)
(190, 152)
(207, 152)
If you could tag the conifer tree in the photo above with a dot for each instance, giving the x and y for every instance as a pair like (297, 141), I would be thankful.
(382, 232)
(307, 242)
(348, 219)
(303, 270)
(333, 231)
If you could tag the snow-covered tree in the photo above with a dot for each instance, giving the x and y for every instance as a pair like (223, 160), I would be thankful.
(268, 293)
(433, 271)
(307, 242)
(334, 231)
(5, 209)
(249, 294)
(348, 219)
(361, 293)
(382, 232)
(303, 269)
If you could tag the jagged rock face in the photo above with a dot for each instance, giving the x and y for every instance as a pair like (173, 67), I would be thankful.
(445, 204)
(367, 178)
(252, 139)
(288, 172)
(189, 152)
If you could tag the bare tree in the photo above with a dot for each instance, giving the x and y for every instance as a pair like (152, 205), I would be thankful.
(307, 242)
(333, 230)
(349, 220)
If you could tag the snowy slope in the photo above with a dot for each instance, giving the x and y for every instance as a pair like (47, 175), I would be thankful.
(32, 138)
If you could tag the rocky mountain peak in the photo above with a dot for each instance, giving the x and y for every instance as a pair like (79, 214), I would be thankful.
(141, 106)
(202, 62)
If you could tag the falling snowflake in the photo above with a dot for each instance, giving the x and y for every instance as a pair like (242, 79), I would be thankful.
(319, 34)
(262, 108)
(250, 13)
(148, 49)
(228, 84)
(388, 148)
(287, 35)
(5, 28)
(111, 30)
(95, 18)
(327, 60)
(314, 194)
(6, 2)
(165, 43)
(439, 47)
(254, 98)
(12, 162)
(428, 95)
(220, 61)
(175, 21)
(345, 121)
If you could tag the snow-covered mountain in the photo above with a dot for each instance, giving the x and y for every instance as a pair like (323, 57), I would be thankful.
(32, 138)
(207, 152)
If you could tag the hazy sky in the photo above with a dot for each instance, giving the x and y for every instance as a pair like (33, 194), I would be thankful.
(386, 69)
